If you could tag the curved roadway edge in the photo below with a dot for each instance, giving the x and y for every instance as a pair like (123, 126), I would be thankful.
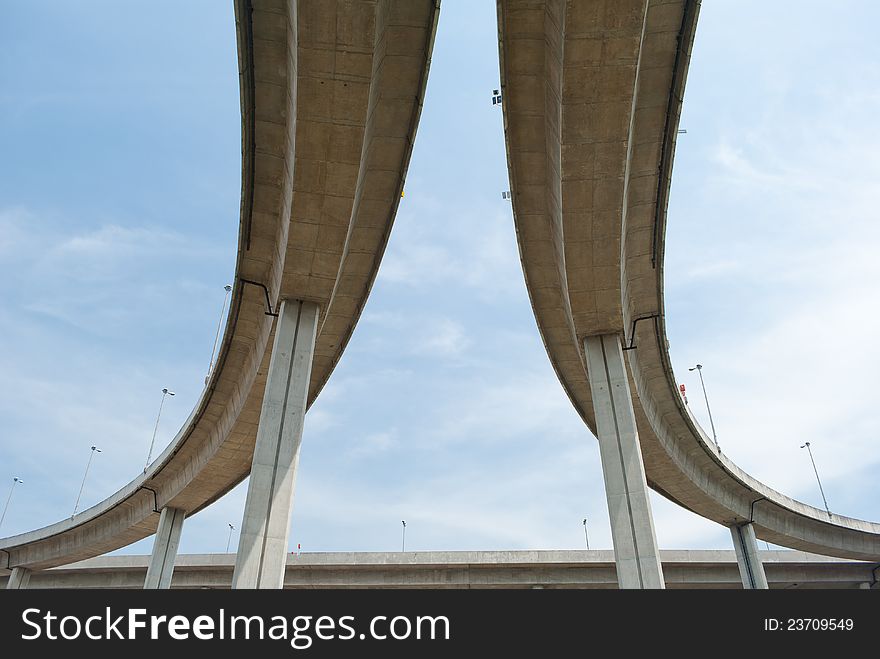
(344, 82)
(592, 98)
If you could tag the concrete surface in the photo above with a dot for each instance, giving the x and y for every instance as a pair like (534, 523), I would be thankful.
(593, 93)
(751, 569)
(313, 61)
(265, 527)
(18, 579)
(490, 569)
(165, 545)
(629, 509)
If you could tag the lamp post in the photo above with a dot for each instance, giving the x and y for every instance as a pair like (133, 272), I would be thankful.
(699, 369)
(165, 392)
(403, 542)
(226, 288)
(229, 539)
(586, 537)
(95, 449)
(15, 481)
(816, 471)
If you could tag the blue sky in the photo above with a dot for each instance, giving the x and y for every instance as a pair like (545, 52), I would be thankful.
(119, 198)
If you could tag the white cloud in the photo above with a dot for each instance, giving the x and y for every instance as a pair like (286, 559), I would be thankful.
(739, 169)
(469, 503)
(377, 442)
(97, 279)
(444, 338)
(419, 333)
(13, 237)
(788, 195)
(493, 408)
(445, 391)
(707, 270)
(441, 244)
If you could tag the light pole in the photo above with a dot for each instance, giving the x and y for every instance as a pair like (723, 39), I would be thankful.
(586, 537)
(699, 369)
(15, 481)
(403, 542)
(165, 392)
(226, 288)
(824, 500)
(95, 449)
(229, 539)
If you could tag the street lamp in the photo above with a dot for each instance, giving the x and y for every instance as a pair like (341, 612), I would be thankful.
(165, 392)
(95, 449)
(586, 537)
(15, 481)
(824, 500)
(226, 288)
(699, 369)
(403, 543)
(229, 539)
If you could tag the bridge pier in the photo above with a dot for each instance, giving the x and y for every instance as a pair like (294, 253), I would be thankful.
(262, 548)
(632, 526)
(751, 569)
(165, 545)
(19, 578)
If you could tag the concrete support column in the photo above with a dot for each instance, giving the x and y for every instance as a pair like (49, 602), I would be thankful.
(262, 546)
(750, 567)
(165, 546)
(632, 525)
(19, 578)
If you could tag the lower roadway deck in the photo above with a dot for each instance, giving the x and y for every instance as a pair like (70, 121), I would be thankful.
(464, 569)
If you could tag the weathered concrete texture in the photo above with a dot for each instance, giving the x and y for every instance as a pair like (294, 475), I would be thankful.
(592, 97)
(18, 579)
(199, 464)
(305, 67)
(462, 569)
(602, 44)
(165, 549)
(266, 524)
(680, 460)
(629, 509)
(402, 47)
(531, 68)
(750, 567)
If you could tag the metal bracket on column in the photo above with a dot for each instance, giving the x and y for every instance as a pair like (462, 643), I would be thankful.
(265, 290)
(632, 332)
(155, 498)
(752, 509)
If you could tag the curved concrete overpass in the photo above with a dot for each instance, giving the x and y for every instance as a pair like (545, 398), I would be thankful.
(592, 98)
(331, 95)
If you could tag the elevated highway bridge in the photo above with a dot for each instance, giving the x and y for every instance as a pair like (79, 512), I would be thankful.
(331, 95)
